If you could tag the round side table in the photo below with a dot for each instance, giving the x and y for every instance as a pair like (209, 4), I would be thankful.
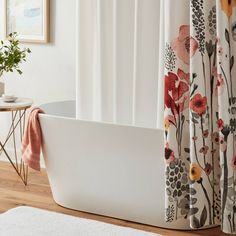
(18, 110)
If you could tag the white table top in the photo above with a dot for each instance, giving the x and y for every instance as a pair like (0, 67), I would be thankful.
(19, 104)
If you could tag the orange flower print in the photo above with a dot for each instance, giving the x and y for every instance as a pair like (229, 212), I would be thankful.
(195, 172)
(233, 163)
(227, 6)
(198, 104)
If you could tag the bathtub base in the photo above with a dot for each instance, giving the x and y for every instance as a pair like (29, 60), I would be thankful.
(169, 226)
(106, 169)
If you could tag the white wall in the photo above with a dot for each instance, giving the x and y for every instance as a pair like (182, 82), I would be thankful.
(49, 73)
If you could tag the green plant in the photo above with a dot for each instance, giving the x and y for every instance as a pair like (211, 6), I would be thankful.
(11, 55)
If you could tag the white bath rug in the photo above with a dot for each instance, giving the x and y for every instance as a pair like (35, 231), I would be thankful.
(28, 221)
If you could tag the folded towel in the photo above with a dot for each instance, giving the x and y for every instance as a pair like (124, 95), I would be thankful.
(32, 140)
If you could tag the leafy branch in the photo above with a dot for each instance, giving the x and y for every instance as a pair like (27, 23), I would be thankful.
(11, 55)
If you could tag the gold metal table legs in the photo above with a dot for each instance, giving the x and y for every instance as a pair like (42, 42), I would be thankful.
(17, 126)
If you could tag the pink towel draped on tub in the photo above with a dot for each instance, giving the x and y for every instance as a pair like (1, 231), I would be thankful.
(32, 140)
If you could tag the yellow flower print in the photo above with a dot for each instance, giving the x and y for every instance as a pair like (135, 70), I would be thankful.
(227, 6)
(166, 124)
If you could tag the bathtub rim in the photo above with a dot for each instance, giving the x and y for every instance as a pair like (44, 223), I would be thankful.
(92, 121)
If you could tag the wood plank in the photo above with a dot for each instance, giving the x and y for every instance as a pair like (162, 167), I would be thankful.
(38, 194)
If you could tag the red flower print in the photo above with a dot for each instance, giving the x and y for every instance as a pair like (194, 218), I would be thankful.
(175, 89)
(233, 163)
(183, 104)
(214, 71)
(169, 155)
(220, 124)
(204, 150)
(182, 75)
(178, 92)
(223, 144)
(170, 80)
(205, 133)
(215, 137)
(208, 168)
(172, 84)
(184, 45)
(198, 104)
(219, 85)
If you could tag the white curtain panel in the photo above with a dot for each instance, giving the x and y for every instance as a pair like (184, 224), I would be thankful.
(118, 62)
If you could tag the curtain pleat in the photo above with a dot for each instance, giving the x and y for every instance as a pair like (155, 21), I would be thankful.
(85, 59)
(118, 62)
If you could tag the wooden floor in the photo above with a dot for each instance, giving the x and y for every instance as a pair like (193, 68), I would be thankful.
(38, 194)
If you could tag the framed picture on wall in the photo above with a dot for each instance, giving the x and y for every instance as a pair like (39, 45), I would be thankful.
(29, 18)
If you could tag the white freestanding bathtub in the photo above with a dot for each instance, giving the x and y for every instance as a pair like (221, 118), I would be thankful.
(107, 169)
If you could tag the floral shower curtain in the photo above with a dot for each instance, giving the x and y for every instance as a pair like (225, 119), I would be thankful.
(200, 112)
